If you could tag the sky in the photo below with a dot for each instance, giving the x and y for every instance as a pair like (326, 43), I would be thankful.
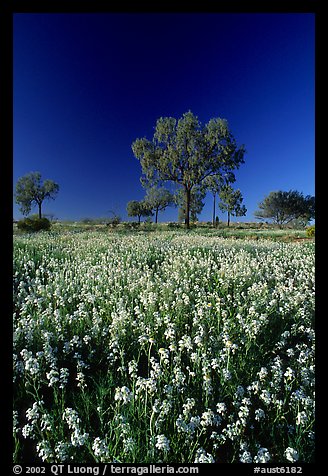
(86, 86)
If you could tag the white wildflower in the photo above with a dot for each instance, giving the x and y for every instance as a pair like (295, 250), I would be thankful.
(262, 373)
(259, 414)
(78, 438)
(245, 457)
(289, 374)
(44, 451)
(162, 443)
(291, 454)
(203, 457)
(100, 449)
(263, 456)
(63, 377)
(221, 408)
(62, 451)
(301, 418)
(129, 445)
(53, 377)
(123, 394)
(72, 418)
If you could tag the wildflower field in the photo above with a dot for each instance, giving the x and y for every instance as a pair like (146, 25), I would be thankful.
(163, 347)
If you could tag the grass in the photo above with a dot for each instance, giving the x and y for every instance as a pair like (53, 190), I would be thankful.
(253, 231)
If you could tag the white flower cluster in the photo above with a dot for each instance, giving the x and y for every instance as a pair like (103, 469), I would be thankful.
(100, 449)
(73, 421)
(291, 455)
(32, 415)
(193, 341)
(203, 457)
(162, 443)
(123, 394)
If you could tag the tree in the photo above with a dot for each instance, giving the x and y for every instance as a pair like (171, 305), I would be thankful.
(231, 202)
(282, 207)
(138, 209)
(158, 199)
(185, 152)
(196, 202)
(214, 184)
(30, 192)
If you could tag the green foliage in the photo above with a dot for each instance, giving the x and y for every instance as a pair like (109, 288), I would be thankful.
(284, 207)
(214, 184)
(139, 209)
(34, 224)
(158, 199)
(114, 221)
(231, 202)
(31, 192)
(185, 152)
(173, 225)
(131, 225)
(197, 196)
(310, 231)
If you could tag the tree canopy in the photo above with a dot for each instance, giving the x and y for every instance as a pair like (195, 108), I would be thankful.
(282, 207)
(138, 209)
(185, 152)
(30, 192)
(231, 202)
(158, 199)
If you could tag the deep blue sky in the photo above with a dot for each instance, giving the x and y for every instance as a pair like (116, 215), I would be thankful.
(87, 85)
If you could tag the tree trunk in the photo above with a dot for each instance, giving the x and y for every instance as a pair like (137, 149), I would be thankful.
(228, 218)
(39, 205)
(188, 195)
(156, 215)
(139, 216)
(213, 220)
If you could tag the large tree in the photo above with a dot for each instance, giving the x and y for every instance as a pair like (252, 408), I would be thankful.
(231, 202)
(31, 191)
(282, 207)
(158, 199)
(196, 203)
(185, 152)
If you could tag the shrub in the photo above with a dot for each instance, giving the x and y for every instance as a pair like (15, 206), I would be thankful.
(131, 225)
(34, 224)
(310, 231)
(113, 222)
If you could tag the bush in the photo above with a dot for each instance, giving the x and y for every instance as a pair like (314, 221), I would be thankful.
(131, 225)
(113, 222)
(173, 225)
(310, 231)
(34, 224)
